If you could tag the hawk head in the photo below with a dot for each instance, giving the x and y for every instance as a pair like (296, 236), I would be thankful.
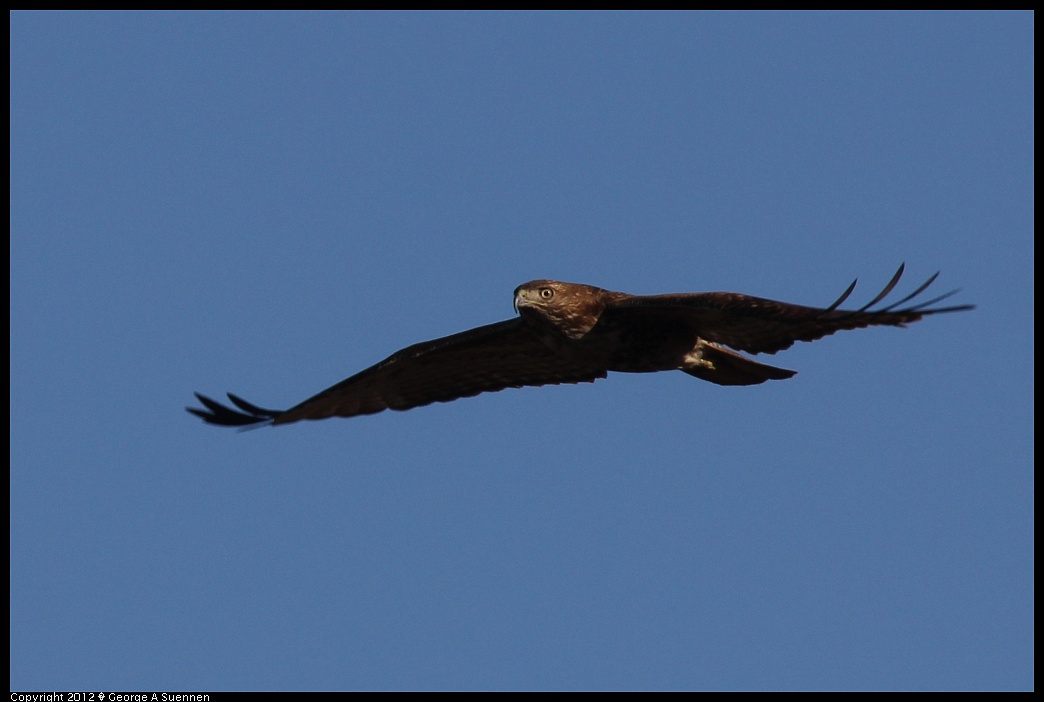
(572, 309)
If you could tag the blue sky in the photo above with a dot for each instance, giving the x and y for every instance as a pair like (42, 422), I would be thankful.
(268, 203)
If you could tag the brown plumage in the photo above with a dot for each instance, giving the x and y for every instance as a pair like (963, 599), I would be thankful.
(570, 333)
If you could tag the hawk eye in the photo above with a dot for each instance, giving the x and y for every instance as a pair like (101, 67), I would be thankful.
(547, 293)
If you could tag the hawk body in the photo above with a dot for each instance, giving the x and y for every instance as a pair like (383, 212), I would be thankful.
(572, 333)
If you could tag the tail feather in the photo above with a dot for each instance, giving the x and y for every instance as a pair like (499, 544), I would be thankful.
(721, 366)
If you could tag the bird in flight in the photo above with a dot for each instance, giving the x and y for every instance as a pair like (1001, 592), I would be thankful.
(571, 333)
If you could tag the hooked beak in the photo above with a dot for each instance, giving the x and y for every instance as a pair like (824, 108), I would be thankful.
(520, 298)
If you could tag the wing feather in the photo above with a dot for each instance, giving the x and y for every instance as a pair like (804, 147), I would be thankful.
(758, 325)
(507, 354)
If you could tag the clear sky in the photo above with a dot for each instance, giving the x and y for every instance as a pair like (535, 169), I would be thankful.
(268, 203)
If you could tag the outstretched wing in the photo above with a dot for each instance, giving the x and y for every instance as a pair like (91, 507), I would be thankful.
(507, 354)
(757, 325)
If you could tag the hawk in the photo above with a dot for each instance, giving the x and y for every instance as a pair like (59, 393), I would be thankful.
(571, 333)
